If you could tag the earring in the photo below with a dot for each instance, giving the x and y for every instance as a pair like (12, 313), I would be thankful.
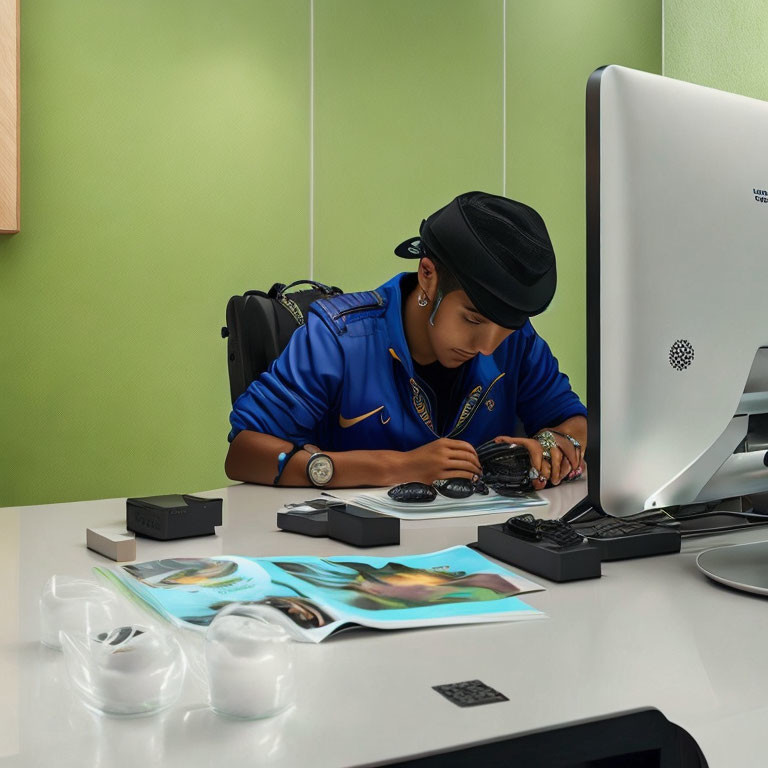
(423, 300)
(438, 301)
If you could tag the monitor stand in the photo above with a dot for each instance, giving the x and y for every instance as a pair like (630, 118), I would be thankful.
(741, 566)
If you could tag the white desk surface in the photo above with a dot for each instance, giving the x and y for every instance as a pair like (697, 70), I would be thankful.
(650, 633)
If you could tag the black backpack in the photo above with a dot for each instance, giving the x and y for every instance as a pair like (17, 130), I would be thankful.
(259, 325)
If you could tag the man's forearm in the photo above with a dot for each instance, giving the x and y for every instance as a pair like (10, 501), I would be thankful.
(576, 427)
(252, 458)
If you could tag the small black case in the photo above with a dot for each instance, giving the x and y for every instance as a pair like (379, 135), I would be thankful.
(313, 523)
(309, 518)
(175, 516)
(362, 527)
(581, 561)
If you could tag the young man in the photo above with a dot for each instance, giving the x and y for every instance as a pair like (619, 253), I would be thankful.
(402, 383)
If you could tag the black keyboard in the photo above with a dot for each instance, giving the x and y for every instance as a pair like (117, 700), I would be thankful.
(612, 528)
(619, 539)
(554, 532)
(559, 533)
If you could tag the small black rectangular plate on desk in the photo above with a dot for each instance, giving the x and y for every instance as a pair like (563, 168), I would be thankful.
(362, 527)
(175, 516)
(658, 540)
(556, 564)
(469, 693)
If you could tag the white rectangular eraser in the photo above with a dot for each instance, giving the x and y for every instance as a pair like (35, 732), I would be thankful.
(115, 543)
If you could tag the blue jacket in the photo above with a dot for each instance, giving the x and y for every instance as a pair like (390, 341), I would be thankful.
(346, 381)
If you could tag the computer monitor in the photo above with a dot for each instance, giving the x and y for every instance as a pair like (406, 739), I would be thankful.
(677, 293)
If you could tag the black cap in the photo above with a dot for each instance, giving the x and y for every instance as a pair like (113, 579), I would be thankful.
(498, 250)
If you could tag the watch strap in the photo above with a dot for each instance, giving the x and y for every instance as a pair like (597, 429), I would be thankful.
(283, 458)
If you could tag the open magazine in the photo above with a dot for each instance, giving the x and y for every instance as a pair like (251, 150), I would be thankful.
(314, 597)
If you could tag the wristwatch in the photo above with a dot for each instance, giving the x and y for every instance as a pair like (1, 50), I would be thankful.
(320, 469)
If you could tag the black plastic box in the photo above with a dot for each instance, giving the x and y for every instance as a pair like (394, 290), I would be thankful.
(309, 518)
(312, 523)
(362, 527)
(173, 517)
(556, 564)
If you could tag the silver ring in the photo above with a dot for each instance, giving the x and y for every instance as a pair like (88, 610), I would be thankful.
(574, 442)
(570, 438)
(546, 440)
(545, 454)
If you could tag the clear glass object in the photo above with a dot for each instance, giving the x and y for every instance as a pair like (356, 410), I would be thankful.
(130, 670)
(74, 605)
(250, 664)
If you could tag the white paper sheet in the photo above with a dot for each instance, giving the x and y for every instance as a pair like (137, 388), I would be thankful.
(378, 501)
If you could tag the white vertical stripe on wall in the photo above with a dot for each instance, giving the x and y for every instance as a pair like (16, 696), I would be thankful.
(311, 139)
(663, 41)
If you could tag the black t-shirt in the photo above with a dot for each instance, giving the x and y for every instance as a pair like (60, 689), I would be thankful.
(444, 383)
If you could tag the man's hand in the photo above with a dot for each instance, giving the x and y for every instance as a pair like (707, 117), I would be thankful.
(565, 459)
(440, 460)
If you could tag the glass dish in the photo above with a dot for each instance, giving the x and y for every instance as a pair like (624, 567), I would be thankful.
(250, 663)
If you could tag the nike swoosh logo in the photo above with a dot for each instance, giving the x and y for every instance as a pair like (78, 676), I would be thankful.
(345, 423)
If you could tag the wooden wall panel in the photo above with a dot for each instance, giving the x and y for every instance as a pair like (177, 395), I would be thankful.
(9, 115)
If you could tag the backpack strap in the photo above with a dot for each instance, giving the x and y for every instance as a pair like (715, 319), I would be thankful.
(279, 292)
(292, 307)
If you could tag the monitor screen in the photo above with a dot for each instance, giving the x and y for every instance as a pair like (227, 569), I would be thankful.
(677, 281)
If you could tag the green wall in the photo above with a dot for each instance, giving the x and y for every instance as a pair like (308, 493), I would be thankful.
(164, 168)
(552, 48)
(718, 43)
(166, 165)
(409, 114)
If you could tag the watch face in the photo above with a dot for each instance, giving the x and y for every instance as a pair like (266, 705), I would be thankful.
(320, 469)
